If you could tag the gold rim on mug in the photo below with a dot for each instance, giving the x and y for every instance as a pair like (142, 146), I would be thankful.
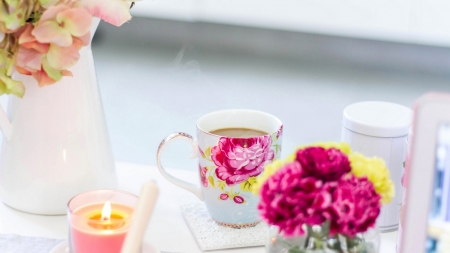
(248, 225)
(240, 110)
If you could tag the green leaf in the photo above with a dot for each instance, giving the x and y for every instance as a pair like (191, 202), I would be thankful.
(221, 184)
(208, 152)
(54, 74)
(201, 152)
(48, 3)
(296, 249)
(8, 82)
(2, 88)
(246, 186)
(18, 90)
(10, 86)
(211, 181)
(273, 137)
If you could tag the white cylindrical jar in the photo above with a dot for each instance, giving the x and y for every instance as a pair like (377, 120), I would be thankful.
(381, 129)
(404, 177)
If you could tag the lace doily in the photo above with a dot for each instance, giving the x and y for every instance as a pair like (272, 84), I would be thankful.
(211, 236)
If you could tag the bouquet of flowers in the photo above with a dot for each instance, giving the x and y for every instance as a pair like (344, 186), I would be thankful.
(326, 192)
(42, 38)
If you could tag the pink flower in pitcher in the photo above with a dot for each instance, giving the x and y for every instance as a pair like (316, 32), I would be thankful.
(46, 62)
(59, 24)
(115, 12)
(224, 196)
(203, 177)
(237, 159)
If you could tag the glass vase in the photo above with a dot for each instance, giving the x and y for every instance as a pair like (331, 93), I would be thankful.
(317, 240)
(277, 243)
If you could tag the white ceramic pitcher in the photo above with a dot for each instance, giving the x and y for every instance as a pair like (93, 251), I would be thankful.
(55, 143)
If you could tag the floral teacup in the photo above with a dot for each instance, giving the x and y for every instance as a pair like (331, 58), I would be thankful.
(229, 166)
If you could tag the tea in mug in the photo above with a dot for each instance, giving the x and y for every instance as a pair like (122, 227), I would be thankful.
(238, 132)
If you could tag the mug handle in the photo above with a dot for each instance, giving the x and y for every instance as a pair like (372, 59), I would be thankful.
(195, 189)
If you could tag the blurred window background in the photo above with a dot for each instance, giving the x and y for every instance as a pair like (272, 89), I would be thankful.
(302, 61)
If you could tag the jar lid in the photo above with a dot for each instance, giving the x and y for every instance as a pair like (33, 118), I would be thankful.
(378, 119)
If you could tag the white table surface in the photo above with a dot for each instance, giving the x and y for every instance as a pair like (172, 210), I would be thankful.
(167, 230)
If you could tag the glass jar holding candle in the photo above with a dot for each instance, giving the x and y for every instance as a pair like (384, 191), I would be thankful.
(99, 220)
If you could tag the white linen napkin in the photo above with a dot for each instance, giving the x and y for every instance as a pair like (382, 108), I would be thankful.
(23, 244)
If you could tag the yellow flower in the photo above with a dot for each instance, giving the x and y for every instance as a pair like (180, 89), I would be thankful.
(375, 170)
(342, 146)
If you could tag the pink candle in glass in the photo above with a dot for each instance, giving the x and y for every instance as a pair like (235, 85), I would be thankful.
(100, 224)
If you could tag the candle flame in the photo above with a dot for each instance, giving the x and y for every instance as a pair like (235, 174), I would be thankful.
(106, 212)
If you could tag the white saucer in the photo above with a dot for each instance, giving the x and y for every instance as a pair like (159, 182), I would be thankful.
(64, 248)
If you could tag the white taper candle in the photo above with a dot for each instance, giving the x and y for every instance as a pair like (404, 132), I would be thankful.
(143, 212)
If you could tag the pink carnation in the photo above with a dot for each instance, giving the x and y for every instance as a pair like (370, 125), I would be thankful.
(355, 206)
(324, 164)
(289, 200)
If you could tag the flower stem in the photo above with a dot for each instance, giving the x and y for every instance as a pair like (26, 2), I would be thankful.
(355, 244)
(314, 237)
(334, 244)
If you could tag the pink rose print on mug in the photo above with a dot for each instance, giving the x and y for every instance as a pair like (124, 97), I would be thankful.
(238, 199)
(238, 159)
(279, 132)
(203, 177)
